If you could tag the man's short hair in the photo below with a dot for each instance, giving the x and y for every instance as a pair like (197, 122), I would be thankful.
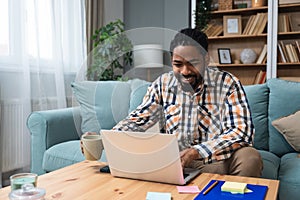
(190, 37)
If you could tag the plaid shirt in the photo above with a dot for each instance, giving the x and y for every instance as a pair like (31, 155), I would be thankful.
(215, 119)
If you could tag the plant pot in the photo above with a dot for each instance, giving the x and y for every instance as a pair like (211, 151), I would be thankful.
(258, 3)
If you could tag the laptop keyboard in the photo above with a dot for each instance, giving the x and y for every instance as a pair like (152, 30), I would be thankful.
(185, 175)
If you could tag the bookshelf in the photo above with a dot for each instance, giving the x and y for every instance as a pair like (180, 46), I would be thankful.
(271, 35)
(288, 40)
(255, 38)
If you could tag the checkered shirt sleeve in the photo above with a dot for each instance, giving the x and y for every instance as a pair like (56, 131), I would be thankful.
(215, 120)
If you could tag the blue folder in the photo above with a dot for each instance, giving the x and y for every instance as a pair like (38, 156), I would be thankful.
(258, 193)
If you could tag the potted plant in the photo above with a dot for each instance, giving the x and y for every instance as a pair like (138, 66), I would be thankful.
(202, 14)
(112, 51)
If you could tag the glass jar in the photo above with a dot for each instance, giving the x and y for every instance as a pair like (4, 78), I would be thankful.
(17, 180)
(27, 192)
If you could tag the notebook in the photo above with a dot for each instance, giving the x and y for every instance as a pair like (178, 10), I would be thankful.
(258, 193)
(145, 156)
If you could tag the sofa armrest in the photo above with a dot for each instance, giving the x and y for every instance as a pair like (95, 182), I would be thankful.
(48, 128)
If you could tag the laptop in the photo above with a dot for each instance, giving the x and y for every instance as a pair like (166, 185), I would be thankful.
(145, 156)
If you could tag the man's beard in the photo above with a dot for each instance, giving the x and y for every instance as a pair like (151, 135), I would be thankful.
(189, 86)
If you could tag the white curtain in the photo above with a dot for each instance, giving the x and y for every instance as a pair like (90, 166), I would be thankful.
(44, 49)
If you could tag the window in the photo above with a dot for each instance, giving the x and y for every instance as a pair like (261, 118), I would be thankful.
(39, 26)
(45, 32)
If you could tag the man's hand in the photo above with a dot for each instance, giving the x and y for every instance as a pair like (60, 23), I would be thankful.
(86, 133)
(188, 155)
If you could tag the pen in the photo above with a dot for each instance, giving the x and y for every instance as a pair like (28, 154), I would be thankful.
(210, 187)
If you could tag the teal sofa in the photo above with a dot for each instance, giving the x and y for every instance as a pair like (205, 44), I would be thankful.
(55, 133)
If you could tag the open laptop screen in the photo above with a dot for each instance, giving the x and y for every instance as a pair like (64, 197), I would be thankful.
(145, 156)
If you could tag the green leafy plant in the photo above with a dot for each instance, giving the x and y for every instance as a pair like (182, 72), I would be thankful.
(202, 13)
(112, 51)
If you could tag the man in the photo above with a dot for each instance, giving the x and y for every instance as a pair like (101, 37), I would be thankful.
(206, 108)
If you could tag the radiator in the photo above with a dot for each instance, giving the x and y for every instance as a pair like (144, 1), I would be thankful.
(14, 135)
(15, 138)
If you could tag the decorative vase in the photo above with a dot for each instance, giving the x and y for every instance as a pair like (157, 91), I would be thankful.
(258, 3)
(248, 56)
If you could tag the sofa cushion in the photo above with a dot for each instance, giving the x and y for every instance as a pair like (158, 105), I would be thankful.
(271, 164)
(290, 129)
(284, 100)
(64, 154)
(138, 91)
(289, 174)
(102, 103)
(61, 155)
(258, 97)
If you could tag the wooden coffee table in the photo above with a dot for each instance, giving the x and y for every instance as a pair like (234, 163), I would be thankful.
(84, 181)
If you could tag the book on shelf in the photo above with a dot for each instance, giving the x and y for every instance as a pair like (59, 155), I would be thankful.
(284, 23)
(262, 55)
(298, 48)
(260, 77)
(292, 54)
(257, 77)
(265, 60)
(288, 1)
(248, 25)
(284, 51)
(263, 77)
(295, 21)
(289, 53)
(295, 52)
(281, 56)
(263, 23)
(256, 24)
(213, 29)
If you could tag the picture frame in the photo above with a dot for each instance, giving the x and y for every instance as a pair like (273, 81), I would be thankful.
(232, 25)
(224, 56)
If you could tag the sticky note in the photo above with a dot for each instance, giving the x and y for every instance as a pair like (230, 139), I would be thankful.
(158, 196)
(234, 187)
(188, 189)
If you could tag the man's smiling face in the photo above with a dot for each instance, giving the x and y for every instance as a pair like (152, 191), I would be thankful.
(188, 65)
